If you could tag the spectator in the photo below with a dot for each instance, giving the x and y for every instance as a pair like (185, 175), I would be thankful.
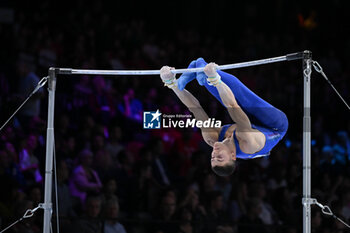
(9, 167)
(166, 215)
(185, 225)
(197, 210)
(82, 89)
(124, 175)
(68, 149)
(216, 215)
(84, 180)
(66, 203)
(27, 83)
(114, 144)
(144, 190)
(251, 222)
(267, 214)
(131, 107)
(90, 222)
(110, 190)
(104, 164)
(238, 200)
(29, 162)
(159, 163)
(112, 224)
(101, 100)
(341, 150)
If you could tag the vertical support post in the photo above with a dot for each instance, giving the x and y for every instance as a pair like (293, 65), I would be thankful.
(49, 151)
(307, 65)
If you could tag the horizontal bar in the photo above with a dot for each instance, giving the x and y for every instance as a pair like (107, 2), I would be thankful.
(288, 57)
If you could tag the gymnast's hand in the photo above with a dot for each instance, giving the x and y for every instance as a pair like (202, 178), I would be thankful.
(210, 69)
(213, 76)
(167, 77)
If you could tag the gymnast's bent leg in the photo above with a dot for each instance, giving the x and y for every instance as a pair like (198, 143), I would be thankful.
(258, 110)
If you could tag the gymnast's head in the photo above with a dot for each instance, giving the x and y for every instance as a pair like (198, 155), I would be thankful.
(223, 158)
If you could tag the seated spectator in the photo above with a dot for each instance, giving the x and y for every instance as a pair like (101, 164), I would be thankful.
(8, 182)
(65, 199)
(68, 149)
(114, 145)
(89, 221)
(283, 202)
(111, 224)
(216, 215)
(67, 206)
(104, 164)
(326, 158)
(131, 107)
(27, 83)
(97, 141)
(124, 177)
(251, 222)
(239, 197)
(166, 215)
(144, 190)
(185, 225)
(109, 189)
(341, 151)
(101, 101)
(159, 159)
(11, 151)
(198, 213)
(29, 162)
(84, 180)
(8, 166)
(267, 214)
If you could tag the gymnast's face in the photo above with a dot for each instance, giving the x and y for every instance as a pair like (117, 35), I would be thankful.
(223, 153)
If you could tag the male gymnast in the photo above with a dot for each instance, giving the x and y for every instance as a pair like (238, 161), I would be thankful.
(257, 128)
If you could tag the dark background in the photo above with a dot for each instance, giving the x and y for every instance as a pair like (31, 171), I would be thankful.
(89, 34)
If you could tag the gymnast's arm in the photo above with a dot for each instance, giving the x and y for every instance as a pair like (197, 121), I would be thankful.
(210, 135)
(250, 140)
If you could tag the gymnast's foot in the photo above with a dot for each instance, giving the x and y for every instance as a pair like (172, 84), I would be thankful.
(200, 76)
(186, 77)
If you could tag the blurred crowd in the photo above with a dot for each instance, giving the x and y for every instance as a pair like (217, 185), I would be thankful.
(112, 175)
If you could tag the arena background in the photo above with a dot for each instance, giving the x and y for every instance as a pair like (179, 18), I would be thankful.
(102, 117)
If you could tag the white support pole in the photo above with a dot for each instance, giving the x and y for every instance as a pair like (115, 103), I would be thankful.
(49, 151)
(306, 201)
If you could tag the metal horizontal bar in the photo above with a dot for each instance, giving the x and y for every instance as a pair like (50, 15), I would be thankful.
(288, 57)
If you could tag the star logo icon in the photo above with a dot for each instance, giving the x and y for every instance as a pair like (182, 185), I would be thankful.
(156, 115)
(151, 120)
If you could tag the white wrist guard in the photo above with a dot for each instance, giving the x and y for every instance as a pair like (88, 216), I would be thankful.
(171, 83)
(214, 81)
